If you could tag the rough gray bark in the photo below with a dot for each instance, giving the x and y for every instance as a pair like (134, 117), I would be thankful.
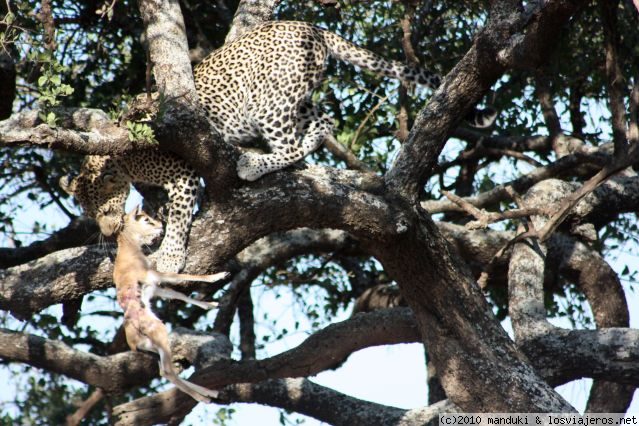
(113, 373)
(479, 367)
(248, 14)
(81, 130)
(599, 283)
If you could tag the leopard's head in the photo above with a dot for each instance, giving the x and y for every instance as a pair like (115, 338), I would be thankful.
(101, 188)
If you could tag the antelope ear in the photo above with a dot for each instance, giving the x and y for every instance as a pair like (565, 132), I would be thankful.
(68, 184)
(134, 212)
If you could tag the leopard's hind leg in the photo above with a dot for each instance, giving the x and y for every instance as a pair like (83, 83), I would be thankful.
(290, 140)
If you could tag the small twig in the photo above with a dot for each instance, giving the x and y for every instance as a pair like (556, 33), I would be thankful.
(589, 186)
(522, 205)
(484, 217)
(480, 151)
(514, 195)
(512, 153)
(368, 116)
(106, 10)
(84, 409)
(547, 106)
(465, 205)
(345, 154)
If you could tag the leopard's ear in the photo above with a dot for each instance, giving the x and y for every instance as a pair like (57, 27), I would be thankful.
(68, 184)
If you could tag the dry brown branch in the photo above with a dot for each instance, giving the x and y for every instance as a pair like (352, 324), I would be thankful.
(85, 408)
(80, 231)
(589, 186)
(615, 79)
(514, 154)
(365, 120)
(345, 154)
(114, 373)
(547, 105)
(484, 217)
(499, 193)
(248, 14)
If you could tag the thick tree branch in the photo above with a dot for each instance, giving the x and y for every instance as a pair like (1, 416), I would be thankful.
(614, 75)
(317, 353)
(327, 405)
(503, 43)
(114, 373)
(79, 232)
(61, 276)
(248, 14)
(526, 294)
(168, 48)
(81, 130)
(565, 355)
(564, 165)
(70, 274)
(610, 353)
(305, 397)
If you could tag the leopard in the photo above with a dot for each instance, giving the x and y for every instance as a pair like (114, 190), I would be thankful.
(257, 86)
(104, 183)
(260, 86)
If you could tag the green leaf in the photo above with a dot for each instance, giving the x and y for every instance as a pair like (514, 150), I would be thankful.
(9, 18)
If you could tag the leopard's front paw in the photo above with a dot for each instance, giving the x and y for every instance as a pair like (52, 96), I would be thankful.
(249, 167)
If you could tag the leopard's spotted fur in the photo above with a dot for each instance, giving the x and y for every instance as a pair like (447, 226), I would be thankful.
(103, 185)
(256, 86)
(260, 85)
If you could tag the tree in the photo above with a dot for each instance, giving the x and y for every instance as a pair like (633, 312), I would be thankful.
(564, 147)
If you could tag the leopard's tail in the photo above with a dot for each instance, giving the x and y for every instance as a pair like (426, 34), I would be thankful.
(346, 51)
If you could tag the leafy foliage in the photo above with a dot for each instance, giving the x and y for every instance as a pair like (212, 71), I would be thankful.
(100, 61)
